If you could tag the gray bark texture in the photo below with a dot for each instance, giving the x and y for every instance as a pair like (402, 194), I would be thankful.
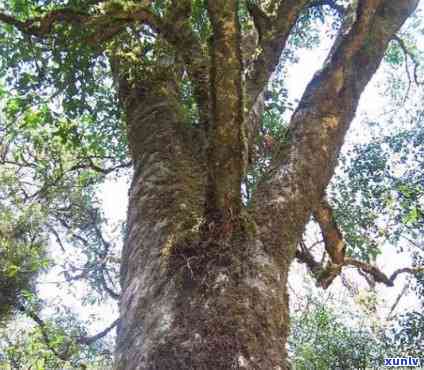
(206, 292)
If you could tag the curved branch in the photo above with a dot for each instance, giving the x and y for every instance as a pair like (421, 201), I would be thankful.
(90, 340)
(378, 275)
(325, 275)
(42, 26)
(335, 247)
(100, 28)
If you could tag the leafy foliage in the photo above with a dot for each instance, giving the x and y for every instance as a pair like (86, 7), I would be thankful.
(23, 347)
(381, 197)
(323, 338)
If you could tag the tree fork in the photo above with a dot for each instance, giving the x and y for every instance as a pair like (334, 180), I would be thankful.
(219, 300)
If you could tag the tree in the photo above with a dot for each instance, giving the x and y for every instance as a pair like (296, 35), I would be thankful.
(323, 338)
(207, 249)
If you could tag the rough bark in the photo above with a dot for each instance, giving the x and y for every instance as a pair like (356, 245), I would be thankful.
(297, 182)
(191, 299)
(197, 295)
(227, 149)
(165, 197)
(202, 292)
(274, 31)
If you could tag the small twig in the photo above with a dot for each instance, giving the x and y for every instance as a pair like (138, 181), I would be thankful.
(378, 275)
(412, 56)
(398, 298)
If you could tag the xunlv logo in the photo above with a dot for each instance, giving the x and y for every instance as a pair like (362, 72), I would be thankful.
(401, 361)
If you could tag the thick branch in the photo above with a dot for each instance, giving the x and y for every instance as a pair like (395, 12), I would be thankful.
(285, 199)
(178, 31)
(324, 275)
(42, 26)
(226, 152)
(100, 28)
(273, 35)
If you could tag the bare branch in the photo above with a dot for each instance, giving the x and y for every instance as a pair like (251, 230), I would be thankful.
(378, 275)
(396, 302)
(57, 236)
(98, 265)
(325, 275)
(90, 340)
(333, 238)
(336, 247)
(105, 171)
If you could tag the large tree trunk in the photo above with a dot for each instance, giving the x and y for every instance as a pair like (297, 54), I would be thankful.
(193, 298)
(204, 280)
(203, 292)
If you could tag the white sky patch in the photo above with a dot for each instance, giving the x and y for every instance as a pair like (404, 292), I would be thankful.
(114, 197)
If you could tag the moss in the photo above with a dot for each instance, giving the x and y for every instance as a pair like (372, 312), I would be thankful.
(221, 316)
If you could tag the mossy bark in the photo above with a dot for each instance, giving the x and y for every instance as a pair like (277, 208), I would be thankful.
(200, 294)
(227, 146)
(194, 297)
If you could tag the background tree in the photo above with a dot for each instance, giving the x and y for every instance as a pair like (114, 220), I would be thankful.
(220, 197)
